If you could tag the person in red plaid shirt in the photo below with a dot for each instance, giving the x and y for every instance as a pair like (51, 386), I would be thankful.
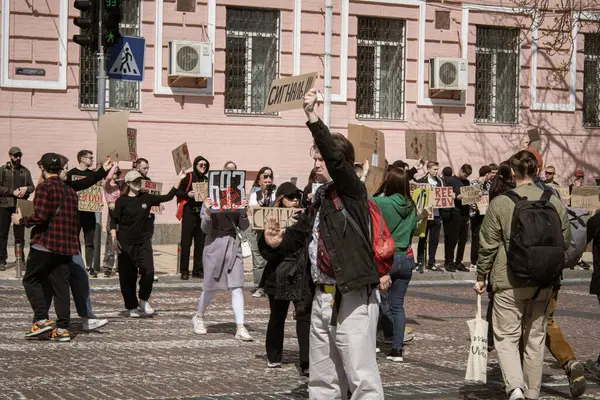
(54, 242)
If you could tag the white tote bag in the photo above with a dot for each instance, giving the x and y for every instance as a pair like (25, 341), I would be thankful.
(478, 351)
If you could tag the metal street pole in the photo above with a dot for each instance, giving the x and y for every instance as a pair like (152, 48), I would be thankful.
(101, 84)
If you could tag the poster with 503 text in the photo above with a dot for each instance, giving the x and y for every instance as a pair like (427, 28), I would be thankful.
(227, 190)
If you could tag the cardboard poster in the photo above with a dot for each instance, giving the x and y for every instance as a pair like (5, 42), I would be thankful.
(483, 204)
(227, 190)
(26, 207)
(470, 194)
(112, 136)
(374, 180)
(260, 216)
(443, 197)
(420, 196)
(586, 197)
(201, 191)
(90, 199)
(132, 143)
(563, 191)
(153, 188)
(181, 158)
(421, 145)
(369, 144)
(288, 93)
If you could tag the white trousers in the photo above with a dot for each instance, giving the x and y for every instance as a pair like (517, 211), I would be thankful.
(343, 357)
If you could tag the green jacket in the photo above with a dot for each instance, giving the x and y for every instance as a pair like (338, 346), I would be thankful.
(494, 238)
(401, 218)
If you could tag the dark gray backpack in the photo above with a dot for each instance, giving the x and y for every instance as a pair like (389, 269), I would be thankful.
(578, 218)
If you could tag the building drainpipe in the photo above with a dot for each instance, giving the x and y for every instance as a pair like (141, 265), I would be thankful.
(328, 38)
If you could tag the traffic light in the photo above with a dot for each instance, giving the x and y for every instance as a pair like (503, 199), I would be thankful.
(88, 24)
(110, 24)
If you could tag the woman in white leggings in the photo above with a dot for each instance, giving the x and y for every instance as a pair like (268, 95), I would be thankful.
(223, 265)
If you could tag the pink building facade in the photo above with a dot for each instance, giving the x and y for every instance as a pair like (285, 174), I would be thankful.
(381, 53)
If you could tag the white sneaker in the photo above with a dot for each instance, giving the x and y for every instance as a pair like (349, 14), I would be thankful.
(145, 307)
(243, 334)
(273, 365)
(516, 394)
(93, 323)
(377, 350)
(259, 293)
(198, 323)
(135, 313)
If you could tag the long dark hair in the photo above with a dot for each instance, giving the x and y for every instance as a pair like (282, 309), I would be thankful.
(503, 182)
(396, 182)
(260, 172)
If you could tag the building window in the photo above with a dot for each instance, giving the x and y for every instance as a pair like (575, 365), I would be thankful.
(251, 58)
(121, 95)
(380, 68)
(591, 80)
(497, 75)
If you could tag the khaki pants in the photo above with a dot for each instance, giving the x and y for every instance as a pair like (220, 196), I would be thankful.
(555, 340)
(516, 317)
(343, 357)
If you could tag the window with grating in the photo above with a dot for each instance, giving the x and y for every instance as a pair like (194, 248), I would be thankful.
(497, 75)
(251, 58)
(120, 95)
(591, 80)
(380, 68)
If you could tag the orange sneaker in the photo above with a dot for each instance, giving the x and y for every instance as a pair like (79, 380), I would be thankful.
(63, 336)
(38, 328)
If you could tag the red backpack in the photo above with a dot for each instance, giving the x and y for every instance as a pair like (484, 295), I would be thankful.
(383, 245)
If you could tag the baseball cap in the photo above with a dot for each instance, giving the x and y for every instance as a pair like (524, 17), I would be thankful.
(536, 155)
(288, 189)
(14, 150)
(50, 162)
(579, 173)
(132, 176)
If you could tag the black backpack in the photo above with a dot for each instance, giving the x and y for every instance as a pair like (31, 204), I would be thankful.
(536, 249)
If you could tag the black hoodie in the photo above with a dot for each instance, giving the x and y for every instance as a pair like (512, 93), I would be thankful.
(182, 192)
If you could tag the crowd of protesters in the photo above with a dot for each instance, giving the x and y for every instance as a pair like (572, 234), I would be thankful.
(337, 308)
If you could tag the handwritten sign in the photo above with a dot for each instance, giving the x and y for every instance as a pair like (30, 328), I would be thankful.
(470, 194)
(181, 158)
(226, 189)
(421, 145)
(90, 199)
(26, 207)
(586, 197)
(483, 204)
(112, 136)
(260, 216)
(288, 93)
(153, 188)
(443, 197)
(132, 142)
(201, 191)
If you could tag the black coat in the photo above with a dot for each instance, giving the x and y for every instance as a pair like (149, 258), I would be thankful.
(593, 234)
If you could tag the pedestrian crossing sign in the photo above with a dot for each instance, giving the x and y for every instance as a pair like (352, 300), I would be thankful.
(126, 59)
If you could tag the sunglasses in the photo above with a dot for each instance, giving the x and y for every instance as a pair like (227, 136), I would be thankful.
(267, 176)
(293, 197)
(202, 164)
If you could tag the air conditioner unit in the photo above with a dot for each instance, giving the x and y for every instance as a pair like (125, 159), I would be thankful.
(448, 73)
(190, 59)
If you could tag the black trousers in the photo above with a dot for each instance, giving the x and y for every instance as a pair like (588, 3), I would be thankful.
(451, 219)
(276, 328)
(476, 222)
(18, 230)
(45, 270)
(434, 228)
(87, 223)
(463, 236)
(136, 259)
(191, 231)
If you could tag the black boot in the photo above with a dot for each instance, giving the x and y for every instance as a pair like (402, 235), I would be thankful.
(185, 275)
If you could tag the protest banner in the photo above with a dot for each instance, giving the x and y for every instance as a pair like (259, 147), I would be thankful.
(443, 197)
(470, 194)
(90, 199)
(483, 204)
(259, 217)
(563, 191)
(112, 140)
(181, 158)
(132, 143)
(586, 197)
(153, 188)
(369, 144)
(288, 93)
(535, 140)
(200, 191)
(226, 189)
(374, 180)
(419, 144)
(421, 194)
(26, 207)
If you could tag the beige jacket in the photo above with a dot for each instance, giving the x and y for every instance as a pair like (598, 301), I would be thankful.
(494, 238)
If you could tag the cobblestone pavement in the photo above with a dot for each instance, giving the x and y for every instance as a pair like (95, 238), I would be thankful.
(161, 358)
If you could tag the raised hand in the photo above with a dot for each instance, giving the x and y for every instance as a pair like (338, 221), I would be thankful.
(108, 163)
(310, 99)
(273, 233)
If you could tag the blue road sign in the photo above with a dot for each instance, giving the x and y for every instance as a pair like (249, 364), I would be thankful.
(126, 59)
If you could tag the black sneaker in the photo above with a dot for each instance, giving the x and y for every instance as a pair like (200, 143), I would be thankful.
(107, 273)
(450, 267)
(199, 275)
(92, 273)
(575, 373)
(462, 267)
(185, 275)
(584, 265)
(395, 355)
(433, 268)
(419, 267)
(2, 266)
